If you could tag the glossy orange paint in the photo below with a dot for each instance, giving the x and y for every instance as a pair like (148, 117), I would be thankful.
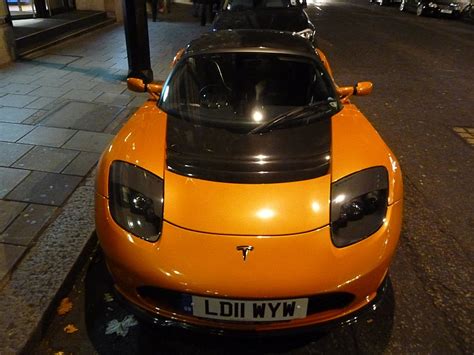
(286, 223)
(279, 267)
(247, 209)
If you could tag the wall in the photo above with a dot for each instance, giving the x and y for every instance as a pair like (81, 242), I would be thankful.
(97, 5)
(7, 41)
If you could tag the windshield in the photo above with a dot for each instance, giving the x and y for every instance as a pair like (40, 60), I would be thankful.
(236, 5)
(248, 90)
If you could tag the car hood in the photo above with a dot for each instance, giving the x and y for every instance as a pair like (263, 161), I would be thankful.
(246, 209)
(222, 155)
(288, 19)
(220, 181)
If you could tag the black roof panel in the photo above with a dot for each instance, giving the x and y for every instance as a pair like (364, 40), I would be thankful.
(265, 41)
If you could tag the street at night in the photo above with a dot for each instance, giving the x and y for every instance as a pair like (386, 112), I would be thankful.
(422, 71)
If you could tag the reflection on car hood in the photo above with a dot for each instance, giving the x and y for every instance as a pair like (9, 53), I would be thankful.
(216, 154)
(287, 19)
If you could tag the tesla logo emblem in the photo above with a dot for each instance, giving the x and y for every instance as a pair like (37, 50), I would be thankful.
(245, 249)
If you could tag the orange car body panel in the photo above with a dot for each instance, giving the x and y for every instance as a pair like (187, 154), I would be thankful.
(286, 223)
(246, 209)
(288, 266)
(204, 222)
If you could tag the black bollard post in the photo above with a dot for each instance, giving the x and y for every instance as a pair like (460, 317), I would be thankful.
(136, 37)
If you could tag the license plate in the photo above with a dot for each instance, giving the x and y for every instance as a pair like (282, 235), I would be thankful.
(446, 11)
(249, 311)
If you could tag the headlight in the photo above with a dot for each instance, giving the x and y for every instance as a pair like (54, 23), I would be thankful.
(358, 205)
(136, 200)
(433, 5)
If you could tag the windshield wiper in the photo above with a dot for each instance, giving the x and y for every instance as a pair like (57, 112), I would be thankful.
(316, 110)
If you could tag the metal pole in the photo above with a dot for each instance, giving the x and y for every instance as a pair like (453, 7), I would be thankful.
(136, 36)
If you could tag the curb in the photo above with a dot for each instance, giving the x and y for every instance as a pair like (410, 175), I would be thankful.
(47, 271)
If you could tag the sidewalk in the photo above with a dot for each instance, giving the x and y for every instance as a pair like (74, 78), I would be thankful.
(58, 110)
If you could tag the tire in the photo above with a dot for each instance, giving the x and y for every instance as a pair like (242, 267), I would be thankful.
(420, 11)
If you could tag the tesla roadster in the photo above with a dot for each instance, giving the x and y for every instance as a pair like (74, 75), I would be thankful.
(248, 194)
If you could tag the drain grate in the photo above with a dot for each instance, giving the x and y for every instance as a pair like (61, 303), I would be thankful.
(466, 133)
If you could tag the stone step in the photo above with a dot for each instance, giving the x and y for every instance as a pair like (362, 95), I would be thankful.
(35, 34)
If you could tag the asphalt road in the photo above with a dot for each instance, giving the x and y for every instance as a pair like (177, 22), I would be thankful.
(422, 70)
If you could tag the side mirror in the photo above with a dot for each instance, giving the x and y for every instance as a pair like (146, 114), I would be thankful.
(362, 88)
(138, 85)
(135, 84)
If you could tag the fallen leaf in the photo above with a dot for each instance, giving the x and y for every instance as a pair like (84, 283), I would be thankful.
(108, 297)
(121, 328)
(70, 328)
(65, 306)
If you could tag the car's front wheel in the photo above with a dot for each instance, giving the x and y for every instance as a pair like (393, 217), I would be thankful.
(420, 10)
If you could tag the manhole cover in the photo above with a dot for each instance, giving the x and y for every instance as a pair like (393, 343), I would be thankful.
(466, 133)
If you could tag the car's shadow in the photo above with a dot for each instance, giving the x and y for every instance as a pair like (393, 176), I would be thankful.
(369, 335)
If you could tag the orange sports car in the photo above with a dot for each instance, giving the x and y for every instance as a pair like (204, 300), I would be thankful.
(248, 194)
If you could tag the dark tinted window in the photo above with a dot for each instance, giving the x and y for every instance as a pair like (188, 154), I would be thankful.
(244, 88)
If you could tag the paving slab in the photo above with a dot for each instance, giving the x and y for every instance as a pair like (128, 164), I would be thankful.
(138, 100)
(82, 164)
(85, 75)
(49, 91)
(37, 117)
(51, 80)
(55, 59)
(10, 256)
(82, 95)
(48, 136)
(11, 152)
(41, 102)
(9, 210)
(27, 225)
(15, 115)
(18, 88)
(47, 159)
(89, 141)
(82, 115)
(45, 188)
(114, 99)
(23, 79)
(111, 88)
(85, 84)
(11, 132)
(16, 100)
(53, 73)
(9, 178)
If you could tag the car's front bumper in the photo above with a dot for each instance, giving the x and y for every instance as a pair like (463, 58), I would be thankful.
(362, 314)
(280, 267)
